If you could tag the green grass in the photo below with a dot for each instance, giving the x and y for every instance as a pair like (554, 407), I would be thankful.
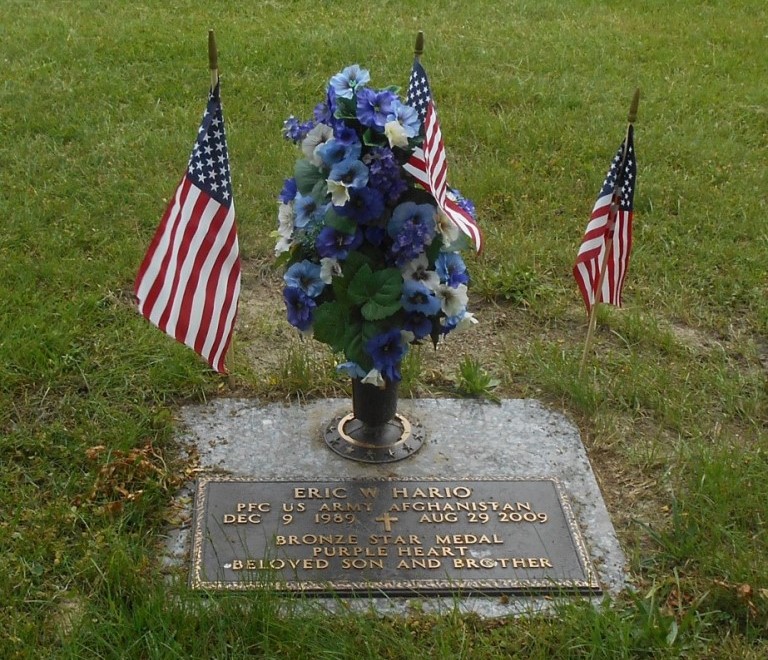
(99, 104)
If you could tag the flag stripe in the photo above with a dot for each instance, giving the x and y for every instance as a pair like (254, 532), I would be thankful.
(153, 269)
(193, 268)
(194, 216)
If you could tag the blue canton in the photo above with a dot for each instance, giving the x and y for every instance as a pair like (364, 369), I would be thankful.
(208, 165)
(418, 95)
(624, 180)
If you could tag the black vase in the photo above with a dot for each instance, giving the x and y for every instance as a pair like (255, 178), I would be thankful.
(374, 406)
(374, 432)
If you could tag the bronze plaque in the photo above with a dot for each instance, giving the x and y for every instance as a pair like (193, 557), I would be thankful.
(390, 536)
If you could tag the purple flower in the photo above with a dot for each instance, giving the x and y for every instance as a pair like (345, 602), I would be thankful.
(288, 193)
(463, 202)
(305, 275)
(412, 228)
(295, 131)
(421, 215)
(337, 244)
(345, 134)
(299, 307)
(347, 82)
(418, 298)
(451, 269)
(384, 173)
(386, 351)
(364, 206)
(374, 107)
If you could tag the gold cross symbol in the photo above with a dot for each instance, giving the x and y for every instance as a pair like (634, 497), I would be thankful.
(387, 520)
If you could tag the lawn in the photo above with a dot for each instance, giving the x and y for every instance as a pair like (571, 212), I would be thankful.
(99, 108)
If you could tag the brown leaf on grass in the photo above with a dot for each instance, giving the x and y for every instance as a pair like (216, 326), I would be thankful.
(126, 475)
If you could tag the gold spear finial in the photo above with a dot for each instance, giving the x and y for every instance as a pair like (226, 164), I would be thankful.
(419, 48)
(632, 116)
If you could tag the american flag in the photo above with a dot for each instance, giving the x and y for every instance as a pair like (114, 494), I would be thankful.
(427, 164)
(189, 282)
(609, 228)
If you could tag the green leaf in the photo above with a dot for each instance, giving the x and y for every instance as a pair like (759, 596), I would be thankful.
(375, 311)
(320, 190)
(346, 108)
(354, 262)
(340, 223)
(378, 292)
(356, 336)
(330, 324)
(282, 259)
(373, 139)
(307, 176)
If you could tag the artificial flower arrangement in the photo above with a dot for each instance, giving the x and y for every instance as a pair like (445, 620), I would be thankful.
(372, 266)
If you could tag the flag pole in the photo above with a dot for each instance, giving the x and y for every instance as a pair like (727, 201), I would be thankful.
(213, 59)
(631, 119)
(213, 65)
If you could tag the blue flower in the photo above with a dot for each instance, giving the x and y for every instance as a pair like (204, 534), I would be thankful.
(288, 193)
(307, 210)
(305, 276)
(352, 369)
(386, 351)
(299, 307)
(334, 151)
(374, 107)
(337, 244)
(345, 83)
(407, 117)
(364, 206)
(418, 298)
(451, 269)
(450, 322)
(375, 235)
(351, 172)
(419, 324)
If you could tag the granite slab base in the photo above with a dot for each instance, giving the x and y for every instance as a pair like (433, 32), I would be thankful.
(516, 439)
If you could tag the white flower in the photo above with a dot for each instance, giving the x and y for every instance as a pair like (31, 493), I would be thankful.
(283, 245)
(452, 300)
(374, 377)
(329, 268)
(417, 270)
(395, 133)
(446, 228)
(285, 219)
(339, 192)
(320, 134)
